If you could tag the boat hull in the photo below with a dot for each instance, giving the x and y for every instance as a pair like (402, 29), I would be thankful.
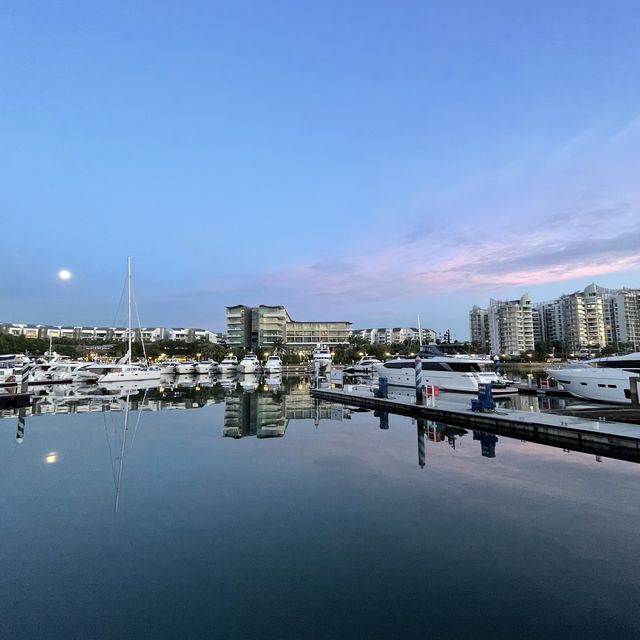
(600, 384)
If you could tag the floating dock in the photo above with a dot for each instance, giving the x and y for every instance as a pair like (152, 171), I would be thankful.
(599, 437)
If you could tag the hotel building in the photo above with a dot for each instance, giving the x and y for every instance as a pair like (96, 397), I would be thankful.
(266, 326)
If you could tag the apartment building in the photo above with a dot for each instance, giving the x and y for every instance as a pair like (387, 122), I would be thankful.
(479, 327)
(585, 320)
(511, 326)
(107, 334)
(266, 325)
(395, 335)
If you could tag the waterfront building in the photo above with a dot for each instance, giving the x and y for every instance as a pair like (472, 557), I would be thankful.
(253, 327)
(511, 326)
(395, 335)
(107, 334)
(583, 321)
(479, 326)
(304, 336)
(270, 325)
(239, 326)
(622, 317)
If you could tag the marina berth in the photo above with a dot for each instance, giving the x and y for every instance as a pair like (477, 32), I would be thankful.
(610, 379)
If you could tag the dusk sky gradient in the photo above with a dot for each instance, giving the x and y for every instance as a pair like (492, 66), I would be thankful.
(356, 160)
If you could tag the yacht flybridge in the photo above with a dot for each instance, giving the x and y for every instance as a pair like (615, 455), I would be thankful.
(606, 379)
(458, 372)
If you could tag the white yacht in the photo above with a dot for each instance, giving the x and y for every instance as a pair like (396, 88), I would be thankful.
(604, 379)
(366, 364)
(11, 365)
(204, 367)
(321, 356)
(449, 372)
(188, 367)
(228, 365)
(65, 371)
(168, 367)
(273, 364)
(249, 364)
(121, 371)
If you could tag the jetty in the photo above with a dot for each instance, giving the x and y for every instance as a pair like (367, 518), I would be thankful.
(599, 437)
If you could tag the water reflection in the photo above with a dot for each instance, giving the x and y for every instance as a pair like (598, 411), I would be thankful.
(263, 406)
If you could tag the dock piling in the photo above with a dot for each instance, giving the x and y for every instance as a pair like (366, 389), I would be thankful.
(419, 381)
(633, 389)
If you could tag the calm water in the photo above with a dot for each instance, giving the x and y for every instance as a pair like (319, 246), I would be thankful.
(265, 515)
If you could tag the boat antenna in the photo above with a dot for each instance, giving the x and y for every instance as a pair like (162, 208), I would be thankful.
(419, 332)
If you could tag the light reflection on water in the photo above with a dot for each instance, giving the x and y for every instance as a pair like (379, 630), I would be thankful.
(248, 509)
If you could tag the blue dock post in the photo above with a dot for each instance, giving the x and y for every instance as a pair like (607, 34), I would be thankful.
(383, 388)
(419, 381)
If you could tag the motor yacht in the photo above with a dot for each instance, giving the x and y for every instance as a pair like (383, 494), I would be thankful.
(204, 367)
(321, 356)
(65, 371)
(273, 364)
(605, 379)
(249, 364)
(366, 364)
(188, 367)
(168, 367)
(448, 372)
(228, 365)
(11, 366)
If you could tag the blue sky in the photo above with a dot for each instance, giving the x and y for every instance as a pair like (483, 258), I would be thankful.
(363, 161)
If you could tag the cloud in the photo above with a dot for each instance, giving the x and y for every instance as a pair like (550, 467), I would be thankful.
(574, 213)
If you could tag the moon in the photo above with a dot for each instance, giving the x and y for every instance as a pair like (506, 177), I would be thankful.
(64, 274)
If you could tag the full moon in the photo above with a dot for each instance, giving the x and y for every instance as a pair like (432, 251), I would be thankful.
(64, 274)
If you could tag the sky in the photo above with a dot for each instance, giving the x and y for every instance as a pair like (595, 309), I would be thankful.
(358, 160)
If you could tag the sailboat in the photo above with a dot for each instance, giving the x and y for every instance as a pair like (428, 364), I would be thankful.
(124, 372)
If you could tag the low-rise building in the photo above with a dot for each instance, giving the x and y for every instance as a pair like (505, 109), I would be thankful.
(271, 325)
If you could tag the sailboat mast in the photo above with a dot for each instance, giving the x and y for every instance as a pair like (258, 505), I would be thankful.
(129, 297)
